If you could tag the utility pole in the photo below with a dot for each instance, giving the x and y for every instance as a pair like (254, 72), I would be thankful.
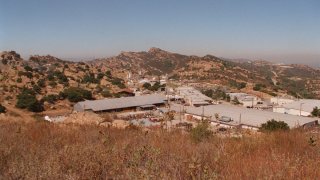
(202, 117)
(180, 114)
(301, 107)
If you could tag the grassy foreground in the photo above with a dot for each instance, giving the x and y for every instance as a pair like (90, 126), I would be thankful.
(39, 150)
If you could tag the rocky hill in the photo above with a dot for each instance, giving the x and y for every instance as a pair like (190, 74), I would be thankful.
(50, 78)
(263, 76)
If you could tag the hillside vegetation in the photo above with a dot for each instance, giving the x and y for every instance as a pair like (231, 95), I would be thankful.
(49, 79)
(40, 150)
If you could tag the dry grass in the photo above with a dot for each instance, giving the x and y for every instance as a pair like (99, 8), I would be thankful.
(41, 150)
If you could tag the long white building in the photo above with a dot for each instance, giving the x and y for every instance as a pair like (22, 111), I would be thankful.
(244, 117)
(302, 107)
(193, 97)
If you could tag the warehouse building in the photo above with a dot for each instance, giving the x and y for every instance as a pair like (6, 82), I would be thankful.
(193, 97)
(120, 104)
(302, 107)
(244, 117)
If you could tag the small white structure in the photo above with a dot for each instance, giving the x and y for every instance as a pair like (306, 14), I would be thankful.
(281, 100)
(302, 107)
(245, 99)
(47, 118)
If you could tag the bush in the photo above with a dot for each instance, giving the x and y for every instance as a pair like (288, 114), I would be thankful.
(201, 132)
(75, 94)
(108, 74)
(258, 87)
(146, 85)
(236, 101)
(106, 93)
(118, 82)
(89, 78)
(19, 80)
(52, 84)
(27, 100)
(36, 89)
(274, 125)
(41, 83)
(2, 109)
(51, 98)
(28, 68)
(315, 112)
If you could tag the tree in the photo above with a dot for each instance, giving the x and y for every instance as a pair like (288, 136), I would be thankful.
(236, 101)
(146, 85)
(27, 100)
(75, 94)
(208, 92)
(36, 89)
(19, 80)
(106, 93)
(155, 87)
(201, 132)
(273, 125)
(316, 112)
(118, 82)
(108, 74)
(89, 78)
(28, 68)
(2, 109)
(51, 98)
(41, 83)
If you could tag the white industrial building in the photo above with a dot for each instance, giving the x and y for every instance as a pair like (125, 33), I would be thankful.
(193, 97)
(244, 117)
(119, 104)
(302, 107)
(245, 99)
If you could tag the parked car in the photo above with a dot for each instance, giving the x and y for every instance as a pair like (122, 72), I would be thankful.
(225, 119)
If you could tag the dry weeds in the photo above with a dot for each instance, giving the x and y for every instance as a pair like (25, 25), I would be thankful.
(43, 150)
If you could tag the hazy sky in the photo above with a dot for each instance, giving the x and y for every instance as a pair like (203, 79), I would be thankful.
(281, 30)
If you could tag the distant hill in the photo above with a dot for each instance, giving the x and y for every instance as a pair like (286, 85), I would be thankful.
(297, 80)
(104, 77)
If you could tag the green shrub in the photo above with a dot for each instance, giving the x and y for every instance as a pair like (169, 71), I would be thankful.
(28, 68)
(51, 98)
(315, 112)
(108, 74)
(27, 100)
(273, 125)
(201, 132)
(89, 78)
(236, 101)
(118, 82)
(2, 109)
(19, 80)
(52, 84)
(36, 89)
(41, 83)
(146, 85)
(75, 94)
(106, 93)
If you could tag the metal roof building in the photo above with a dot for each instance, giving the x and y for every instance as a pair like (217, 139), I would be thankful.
(302, 107)
(193, 96)
(119, 103)
(250, 117)
(305, 104)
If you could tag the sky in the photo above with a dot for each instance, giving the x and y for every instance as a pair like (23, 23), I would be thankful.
(274, 30)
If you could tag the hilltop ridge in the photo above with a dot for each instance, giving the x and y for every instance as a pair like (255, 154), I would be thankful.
(106, 76)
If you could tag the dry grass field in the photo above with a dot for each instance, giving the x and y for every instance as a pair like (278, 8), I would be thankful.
(40, 150)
